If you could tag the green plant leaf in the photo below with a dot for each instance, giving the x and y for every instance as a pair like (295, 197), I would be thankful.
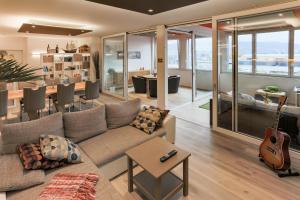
(12, 71)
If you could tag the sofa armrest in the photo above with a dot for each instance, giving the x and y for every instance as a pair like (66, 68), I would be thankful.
(169, 124)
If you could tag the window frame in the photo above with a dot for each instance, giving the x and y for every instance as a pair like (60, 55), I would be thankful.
(205, 70)
(178, 49)
(291, 52)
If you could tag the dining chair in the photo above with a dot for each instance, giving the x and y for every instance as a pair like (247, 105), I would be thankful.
(173, 84)
(33, 102)
(139, 84)
(64, 96)
(153, 88)
(91, 92)
(3, 103)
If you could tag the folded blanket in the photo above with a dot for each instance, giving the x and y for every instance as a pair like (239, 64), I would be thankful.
(70, 186)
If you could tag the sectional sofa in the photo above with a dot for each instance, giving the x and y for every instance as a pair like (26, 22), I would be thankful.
(103, 135)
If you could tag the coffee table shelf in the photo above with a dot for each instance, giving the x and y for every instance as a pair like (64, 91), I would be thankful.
(146, 183)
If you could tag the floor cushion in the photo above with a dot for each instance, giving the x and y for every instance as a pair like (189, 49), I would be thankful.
(113, 143)
(15, 177)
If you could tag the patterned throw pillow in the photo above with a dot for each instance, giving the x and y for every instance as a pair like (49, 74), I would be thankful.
(31, 158)
(54, 147)
(58, 148)
(73, 152)
(149, 119)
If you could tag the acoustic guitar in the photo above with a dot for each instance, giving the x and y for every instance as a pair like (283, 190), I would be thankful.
(274, 150)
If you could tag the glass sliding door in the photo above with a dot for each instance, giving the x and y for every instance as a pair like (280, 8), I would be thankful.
(114, 65)
(203, 63)
(257, 62)
(225, 90)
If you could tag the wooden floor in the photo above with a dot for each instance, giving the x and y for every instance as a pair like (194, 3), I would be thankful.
(222, 167)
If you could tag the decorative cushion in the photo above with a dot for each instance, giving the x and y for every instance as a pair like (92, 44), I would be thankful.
(15, 177)
(29, 132)
(73, 152)
(54, 147)
(31, 158)
(122, 114)
(83, 125)
(58, 148)
(149, 119)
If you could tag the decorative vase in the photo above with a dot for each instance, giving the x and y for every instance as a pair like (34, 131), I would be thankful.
(3, 85)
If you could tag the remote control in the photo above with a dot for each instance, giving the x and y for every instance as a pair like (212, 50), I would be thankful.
(168, 156)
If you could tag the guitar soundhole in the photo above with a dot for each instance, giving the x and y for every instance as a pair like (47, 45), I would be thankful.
(273, 139)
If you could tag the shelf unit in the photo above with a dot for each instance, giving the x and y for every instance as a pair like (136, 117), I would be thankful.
(70, 65)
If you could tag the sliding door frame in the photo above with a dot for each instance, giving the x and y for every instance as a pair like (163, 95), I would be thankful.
(234, 16)
(125, 65)
(172, 28)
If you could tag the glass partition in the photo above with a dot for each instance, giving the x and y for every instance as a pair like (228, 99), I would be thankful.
(225, 75)
(113, 60)
(258, 61)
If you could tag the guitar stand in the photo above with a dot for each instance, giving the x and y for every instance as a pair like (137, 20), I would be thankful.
(288, 174)
(282, 174)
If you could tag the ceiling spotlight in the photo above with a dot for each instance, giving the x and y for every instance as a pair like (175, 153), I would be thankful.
(228, 22)
(150, 10)
(33, 26)
(280, 14)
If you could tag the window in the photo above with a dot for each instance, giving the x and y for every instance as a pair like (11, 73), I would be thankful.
(272, 53)
(297, 53)
(204, 53)
(173, 54)
(245, 53)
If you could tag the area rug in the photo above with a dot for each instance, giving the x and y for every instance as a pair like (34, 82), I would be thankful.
(205, 106)
(70, 186)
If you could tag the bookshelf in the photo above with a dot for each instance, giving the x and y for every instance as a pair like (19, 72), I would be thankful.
(70, 65)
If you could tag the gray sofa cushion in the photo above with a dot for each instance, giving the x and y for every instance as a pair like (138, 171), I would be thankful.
(15, 177)
(29, 132)
(122, 114)
(83, 125)
(104, 189)
(113, 143)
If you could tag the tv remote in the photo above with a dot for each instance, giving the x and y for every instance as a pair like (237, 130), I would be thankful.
(168, 156)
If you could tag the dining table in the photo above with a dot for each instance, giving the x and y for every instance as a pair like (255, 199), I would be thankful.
(18, 94)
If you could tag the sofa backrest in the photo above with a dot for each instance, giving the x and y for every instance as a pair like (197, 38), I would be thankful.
(122, 114)
(29, 132)
(85, 124)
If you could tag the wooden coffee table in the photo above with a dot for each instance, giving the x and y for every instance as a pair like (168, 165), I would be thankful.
(157, 181)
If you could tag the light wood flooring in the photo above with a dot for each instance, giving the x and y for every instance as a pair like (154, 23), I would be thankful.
(225, 168)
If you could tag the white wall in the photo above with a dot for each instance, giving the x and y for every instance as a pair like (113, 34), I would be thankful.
(14, 43)
(142, 44)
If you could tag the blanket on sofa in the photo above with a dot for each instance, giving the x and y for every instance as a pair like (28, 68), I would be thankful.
(69, 186)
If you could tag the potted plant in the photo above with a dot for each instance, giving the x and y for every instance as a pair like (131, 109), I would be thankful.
(96, 61)
(12, 71)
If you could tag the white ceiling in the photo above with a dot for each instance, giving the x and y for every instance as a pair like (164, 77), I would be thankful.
(104, 20)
